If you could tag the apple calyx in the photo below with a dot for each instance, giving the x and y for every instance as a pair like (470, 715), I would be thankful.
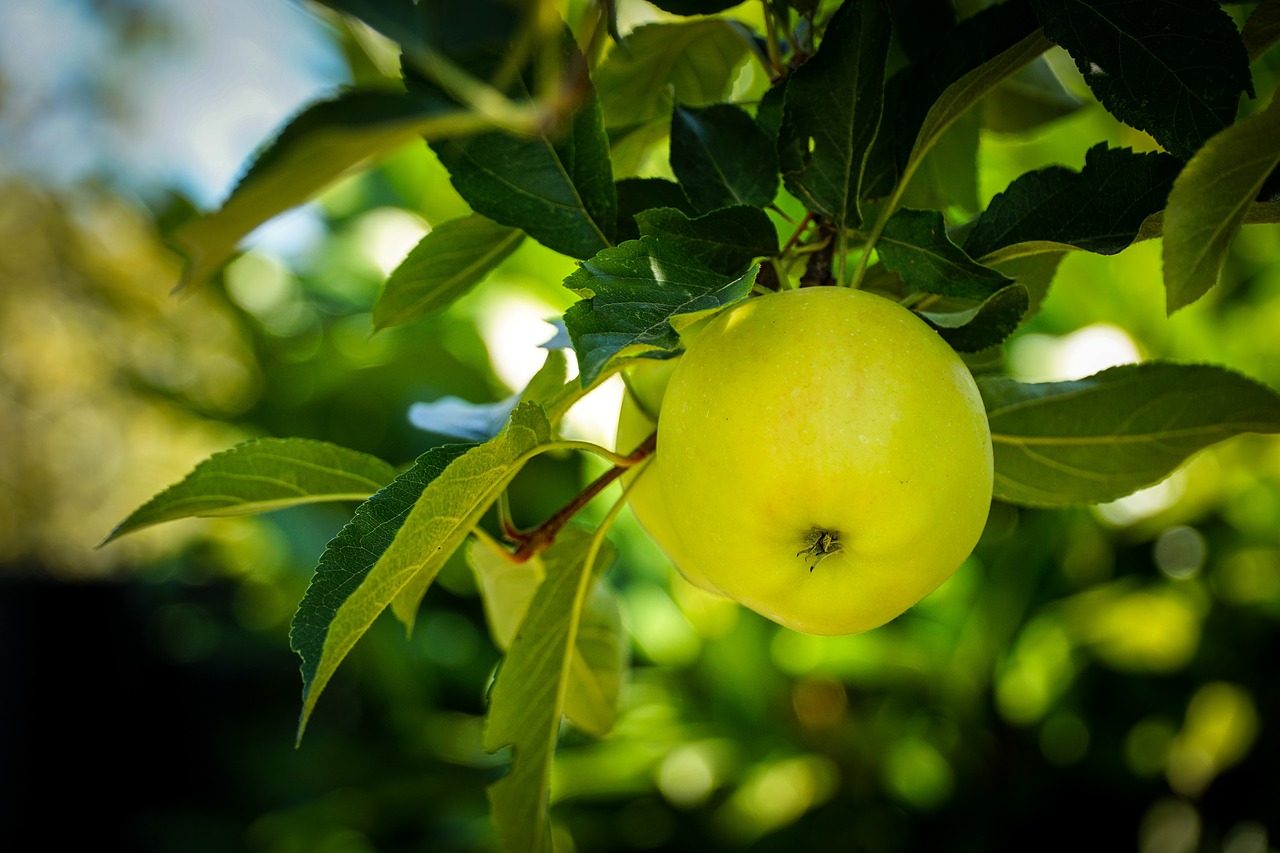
(820, 543)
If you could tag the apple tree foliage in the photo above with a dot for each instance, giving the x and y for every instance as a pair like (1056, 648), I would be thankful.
(803, 143)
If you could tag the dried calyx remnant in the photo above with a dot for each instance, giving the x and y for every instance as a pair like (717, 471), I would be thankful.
(820, 543)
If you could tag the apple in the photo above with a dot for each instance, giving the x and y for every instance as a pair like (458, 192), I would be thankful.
(823, 457)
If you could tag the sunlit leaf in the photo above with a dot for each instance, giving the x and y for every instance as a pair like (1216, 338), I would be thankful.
(528, 696)
(1209, 202)
(692, 61)
(721, 157)
(263, 475)
(975, 327)
(1099, 209)
(453, 257)
(1174, 68)
(595, 677)
(726, 240)
(832, 112)
(318, 146)
(1103, 437)
(915, 245)
(631, 294)
(361, 573)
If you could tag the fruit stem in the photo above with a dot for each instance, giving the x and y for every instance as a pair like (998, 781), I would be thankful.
(531, 543)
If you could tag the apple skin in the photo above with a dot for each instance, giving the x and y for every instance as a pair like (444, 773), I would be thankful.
(646, 386)
(819, 411)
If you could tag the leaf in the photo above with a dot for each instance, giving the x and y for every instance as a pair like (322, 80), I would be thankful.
(1262, 29)
(1103, 437)
(637, 194)
(947, 176)
(1099, 209)
(632, 293)
(929, 95)
(832, 112)
(721, 157)
(318, 146)
(595, 670)
(915, 245)
(689, 62)
(726, 240)
(1035, 273)
(694, 7)
(1174, 68)
(451, 259)
(977, 327)
(560, 192)
(1030, 98)
(1209, 201)
(528, 696)
(263, 475)
(361, 572)
(460, 419)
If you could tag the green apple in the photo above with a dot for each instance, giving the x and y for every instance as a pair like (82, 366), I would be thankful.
(825, 459)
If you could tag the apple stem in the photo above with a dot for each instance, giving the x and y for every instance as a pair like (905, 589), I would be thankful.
(531, 543)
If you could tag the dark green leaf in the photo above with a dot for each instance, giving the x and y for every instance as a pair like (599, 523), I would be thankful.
(1174, 68)
(350, 555)
(457, 28)
(721, 157)
(263, 475)
(528, 697)
(694, 61)
(560, 192)
(1209, 202)
(318, 146)
(1035, 273)
(1100, 438)
(633, 292)
(1033, 96)
(974, 328)
(915, 246)
(1099, 209)
(946, 177)
(454, 257)
(770, 110)
(832, 112)
(386, 547)
(637, 194)
(926, 97)
(694, 7)
(1262, 29)
(726, 240)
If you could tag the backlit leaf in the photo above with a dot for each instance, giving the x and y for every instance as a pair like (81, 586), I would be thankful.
(1174, 68)
(448, 262)
(832, 112)
(528, 696)
(263, 475)
(361, 573)
(632, 293)
(1262, 28)
(1209, 202)
(1030, 98)
(1103, 437)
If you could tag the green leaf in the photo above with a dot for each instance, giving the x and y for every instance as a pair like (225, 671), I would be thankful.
(637, 194)
(599, 654)
(1103, 437)
(915, 245)
(924, 99)
(318, 146)
(460, 419)
(632, 293)
(726, 240)
(263, 475)
(558, 191)
(1209, 201)
(361, 573)
(689, 62)
(1031, 98)
(695, 7)
(1035, 273)
(832, 112)
(947, 175)
(972, 328)
(454, 257)
(1099, 209)
(1262, 29)
(528, 696)
(1174, 68)
(721, 157)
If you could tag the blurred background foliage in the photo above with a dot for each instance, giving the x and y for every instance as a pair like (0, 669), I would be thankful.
(1104, 676)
